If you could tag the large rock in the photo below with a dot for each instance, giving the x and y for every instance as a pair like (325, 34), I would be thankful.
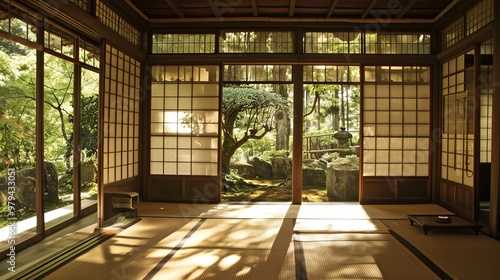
(313, 173)
(51, 182)
(245, 170)
(24, 194)
(282, 167)
(88, 171)
(262, 168)
(342, 179)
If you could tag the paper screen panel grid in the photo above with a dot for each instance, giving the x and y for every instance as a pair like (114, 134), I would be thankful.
(183, 43)
(256, 42)
(184, 120)
(457, 147)
(486, 107)
(479, 16)
(121, 116)
(396, 121)
(397, 43)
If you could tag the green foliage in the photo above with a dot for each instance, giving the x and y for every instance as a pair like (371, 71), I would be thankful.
(247, 113)
(89, 190)
(272, 154)
(250, 107)
(329, 157)
(332, 105)
(232, 182)
(17, 107)
(89, 124)
(58, 111)
(256, 148)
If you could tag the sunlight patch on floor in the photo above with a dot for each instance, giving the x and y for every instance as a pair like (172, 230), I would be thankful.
(337, 210)
(322, 225)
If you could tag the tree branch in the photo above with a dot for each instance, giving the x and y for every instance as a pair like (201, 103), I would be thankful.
(316, 98)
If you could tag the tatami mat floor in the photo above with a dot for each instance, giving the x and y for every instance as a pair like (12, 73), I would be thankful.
(284, 241)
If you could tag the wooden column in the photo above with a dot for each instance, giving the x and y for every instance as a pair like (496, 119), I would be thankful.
(100, 138)
(40, 139)
(298, 127)
(495, 139)
(477, 128)
(77, 133)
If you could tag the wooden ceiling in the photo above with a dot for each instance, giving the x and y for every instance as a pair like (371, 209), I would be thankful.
(295, 9)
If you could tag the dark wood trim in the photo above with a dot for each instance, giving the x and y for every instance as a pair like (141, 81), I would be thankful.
(361, 133)
(129, 184)
(68, 14)
(100, 138)
(369, 8)
(145, 132)
(219, 140)
(77, 133)
(180, 188)
(467, 43)
(332, 8)
(176, 9)
(284, 24)
(275, 58)
(10, 37)
(455, 12)
(458, 198)
(436, 131)
(255, 10)
(495, 139)
(298, 127)
(477, 127)
(389, 190)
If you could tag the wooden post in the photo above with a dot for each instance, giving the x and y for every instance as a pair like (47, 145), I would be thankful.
(40, 139)
(495, 137)
(298, 107)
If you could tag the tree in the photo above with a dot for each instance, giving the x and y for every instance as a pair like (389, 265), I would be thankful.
(89, 125)
(17, 105)
(247, 113)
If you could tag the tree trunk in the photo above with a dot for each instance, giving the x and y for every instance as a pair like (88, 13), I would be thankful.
(283, 125)
(282, 130)
(226, 156)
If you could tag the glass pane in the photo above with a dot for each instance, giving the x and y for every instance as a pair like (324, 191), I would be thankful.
(89, 129)
(58, 140)
(17, 143)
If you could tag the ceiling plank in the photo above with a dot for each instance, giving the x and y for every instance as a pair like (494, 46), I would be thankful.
(176, 9)
(254, 8)
(214, 8)
(407, 8)
(291, 9)
(332, 7)
(369, 8)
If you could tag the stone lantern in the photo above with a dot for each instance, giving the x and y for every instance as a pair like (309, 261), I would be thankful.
(343, 138)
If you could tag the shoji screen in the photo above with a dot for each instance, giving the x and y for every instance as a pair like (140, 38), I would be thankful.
(121, 116)
(396, 130)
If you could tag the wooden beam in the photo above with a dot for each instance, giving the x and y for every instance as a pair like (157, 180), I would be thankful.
(176, 9)
(214, 8)
(332, 7)
(369, 8)
(406, 8)
(254, 8)
(291, 8)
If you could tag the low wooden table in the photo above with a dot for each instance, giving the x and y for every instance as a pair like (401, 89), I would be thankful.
(428, 222)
